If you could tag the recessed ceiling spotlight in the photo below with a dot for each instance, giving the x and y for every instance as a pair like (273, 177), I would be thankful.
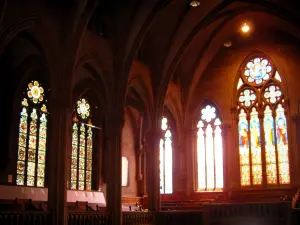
(245, 28)
(227, 44)
(194, 3)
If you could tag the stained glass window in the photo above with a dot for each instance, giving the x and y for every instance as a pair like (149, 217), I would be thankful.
(209, 150)
(262, 126)
(32, 140)
(165, 155)
(82, 147)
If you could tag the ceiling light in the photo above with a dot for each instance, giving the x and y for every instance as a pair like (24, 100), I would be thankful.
(227, 44)
(194, 3)
(245, 28)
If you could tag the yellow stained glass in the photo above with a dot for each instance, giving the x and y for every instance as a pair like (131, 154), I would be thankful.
(32, 138)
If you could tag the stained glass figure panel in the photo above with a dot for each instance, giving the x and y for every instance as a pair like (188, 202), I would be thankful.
(244, 149)
(255, 148)
(282, 146)
(271, 146)
(271, 170)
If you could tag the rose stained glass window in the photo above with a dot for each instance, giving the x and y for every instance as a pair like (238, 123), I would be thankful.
(165, 155)
(264, 159)
(258, 70)
(32, 141)
(209, 151)
(82, 148)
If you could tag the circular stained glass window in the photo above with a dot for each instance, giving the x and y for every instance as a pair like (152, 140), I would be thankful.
(83, 108)
(258, 70)
(272, 94)
(247, 97)
(208, 113)
(35, 92)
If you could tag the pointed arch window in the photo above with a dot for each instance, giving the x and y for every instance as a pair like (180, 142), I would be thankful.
(32, 137)
(209, 150)
(166, 171)
(262, 126)
(82, 147)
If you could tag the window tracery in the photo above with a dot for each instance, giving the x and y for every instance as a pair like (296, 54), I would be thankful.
(32, 141)
(209, 150)
(262, 125)
(82, 147)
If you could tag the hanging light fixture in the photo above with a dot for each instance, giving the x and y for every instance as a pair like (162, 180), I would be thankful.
(194, 3)
(245, 28)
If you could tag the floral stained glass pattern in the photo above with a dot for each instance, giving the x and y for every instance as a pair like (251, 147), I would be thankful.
(32, 140)
(34, 92)
(166, 172)
(83, 108)
(82, 148)
(269, 158)
(272, 94)
(209, 151)
(247, 97)
(258, 70)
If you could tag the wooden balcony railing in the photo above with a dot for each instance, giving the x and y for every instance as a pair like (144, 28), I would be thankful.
(179, 218)
(24, 218)
(255, 213)
(138, 218)
(88, 218)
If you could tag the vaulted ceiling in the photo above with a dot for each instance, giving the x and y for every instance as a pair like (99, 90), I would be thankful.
(178, 43)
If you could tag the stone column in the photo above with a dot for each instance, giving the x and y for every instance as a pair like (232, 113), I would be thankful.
(191, 160)
(60, 144)
(227, 154)
(152, 137)
(114, 153)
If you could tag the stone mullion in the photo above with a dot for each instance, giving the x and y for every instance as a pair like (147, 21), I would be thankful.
(263, 149)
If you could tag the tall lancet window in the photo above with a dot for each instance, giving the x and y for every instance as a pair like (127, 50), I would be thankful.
(82, 147)
(166, 172)
(262, 125)
(32, 137)
(209, 150)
